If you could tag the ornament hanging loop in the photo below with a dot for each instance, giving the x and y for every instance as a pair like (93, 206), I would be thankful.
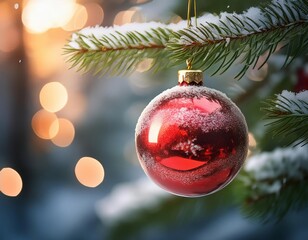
(189, 24)
(189, 64)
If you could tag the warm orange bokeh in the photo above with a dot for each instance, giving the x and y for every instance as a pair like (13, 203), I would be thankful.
(128, 16)
(95, 14)
(145, 65)
(78, 20)
(251, 140)
(9, 34)
(256, 73)
(66, 133)
(10, 182)
(53, 96)
(89, 172)
(45, 124)
(40, 16)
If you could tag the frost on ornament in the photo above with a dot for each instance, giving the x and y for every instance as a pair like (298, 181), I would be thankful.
(191, 140)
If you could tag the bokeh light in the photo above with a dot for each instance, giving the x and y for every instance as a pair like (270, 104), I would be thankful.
(89, 172)
(251, 140)
(145, 65)
(10, 182)
(258, 74)
(40, 15)
(252, 144)
(95, 14)
(10, 37)
(45, 124)
(65, 134)
(128, 16)
(141, 85)
(123, 17)
(175, 19)
(44, 54)
(78, 20)
(53, 96)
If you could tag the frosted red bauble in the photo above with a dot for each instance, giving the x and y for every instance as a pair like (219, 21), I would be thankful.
(191, 140)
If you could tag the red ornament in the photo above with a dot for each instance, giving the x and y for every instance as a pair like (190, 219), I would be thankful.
(191, 140)
(302, 79)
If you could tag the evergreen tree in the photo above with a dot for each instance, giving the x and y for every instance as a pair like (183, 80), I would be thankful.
(275, 178)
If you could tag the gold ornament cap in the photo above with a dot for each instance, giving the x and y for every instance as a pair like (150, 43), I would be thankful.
(190, 77)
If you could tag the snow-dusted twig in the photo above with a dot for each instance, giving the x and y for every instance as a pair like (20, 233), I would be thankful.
(129, 197)
(222, 40)
(288, 113)
(218, 41)
(276, 182)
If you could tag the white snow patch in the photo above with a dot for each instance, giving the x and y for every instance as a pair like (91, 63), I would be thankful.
(296, 102)
(97, 33)
(74, 45)
(127, 198)
(287, 163)
(227, 41)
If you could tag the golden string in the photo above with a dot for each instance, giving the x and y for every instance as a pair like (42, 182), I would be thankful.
(189, 61)
(188, 13)
(195, 11)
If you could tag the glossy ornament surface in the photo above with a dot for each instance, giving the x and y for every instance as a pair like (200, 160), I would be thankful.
(191, 140)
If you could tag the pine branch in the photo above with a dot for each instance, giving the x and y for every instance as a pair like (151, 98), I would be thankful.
(288, 114)
(218, 42)
(118, 50)
(276, 183)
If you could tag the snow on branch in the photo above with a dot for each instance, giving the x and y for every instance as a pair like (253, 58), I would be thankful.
(128, 36)
(217, 41)
(276, 182)
(288, 115)
(139, 194)
(119, 49)
(222, 40)
(294, 103)
(270, 171)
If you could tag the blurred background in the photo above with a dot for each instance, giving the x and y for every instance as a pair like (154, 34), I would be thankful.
(58, 123)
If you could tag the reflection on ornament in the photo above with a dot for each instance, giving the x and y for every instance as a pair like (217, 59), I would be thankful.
(191, 140)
